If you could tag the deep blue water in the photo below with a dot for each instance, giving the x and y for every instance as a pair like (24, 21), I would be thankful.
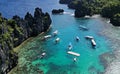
(57, 60)
(13, 7)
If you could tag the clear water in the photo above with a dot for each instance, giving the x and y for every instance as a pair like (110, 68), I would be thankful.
(57, 61)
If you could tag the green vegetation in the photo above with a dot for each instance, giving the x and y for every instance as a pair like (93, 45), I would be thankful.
(14, 31)
(7, 29)
(116, 19)
(6, 42)
(110, 9)
(107, 8)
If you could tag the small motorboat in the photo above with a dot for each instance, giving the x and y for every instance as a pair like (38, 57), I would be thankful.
(46, 37)
(89, 37)
(77, 38)
(73, 53)
(55, 32)
(42, 55)
(57, 40)
(83, 27)
(93, 42)
(75, 59)
(70, 46)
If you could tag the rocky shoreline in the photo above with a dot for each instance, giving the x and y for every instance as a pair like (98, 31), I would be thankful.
(107, 9)
(16, 30)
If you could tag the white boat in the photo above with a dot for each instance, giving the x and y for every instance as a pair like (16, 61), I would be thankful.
(73, 53)
(55, 32)
(77, 38)
(93, 42)
(57, 39)
(89, 37)
(42, 55)
(83, 27)
(70, 46)
(75, 59)
(47, 36)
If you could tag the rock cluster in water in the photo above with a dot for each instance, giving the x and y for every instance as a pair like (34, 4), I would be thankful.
(109, 9)
(16, 30)
(57, 11)
(65, 1)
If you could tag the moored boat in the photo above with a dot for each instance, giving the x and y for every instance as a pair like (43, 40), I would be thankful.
(77, 38)
(57, 40)
(55, 32)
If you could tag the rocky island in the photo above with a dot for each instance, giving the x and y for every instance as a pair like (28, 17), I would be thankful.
(108, 9)
(57, 11)
(16, 30)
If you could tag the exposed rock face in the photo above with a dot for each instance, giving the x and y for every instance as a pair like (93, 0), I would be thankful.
(115, 20)
(81, 8)
(79, 13)
(55, 11)
(14, 31)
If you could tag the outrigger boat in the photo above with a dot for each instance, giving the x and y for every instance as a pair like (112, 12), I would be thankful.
(57, 40)
(75, 59)
(70, 46)
(77, 38)
(42, 55)
(55, 32)
(73, 53)
(89, 37)
(83, 27)
(93, 42)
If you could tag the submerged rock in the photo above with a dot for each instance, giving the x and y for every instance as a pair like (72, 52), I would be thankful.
(106, 58)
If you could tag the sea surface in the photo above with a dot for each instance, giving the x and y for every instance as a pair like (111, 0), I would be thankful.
(57, 61)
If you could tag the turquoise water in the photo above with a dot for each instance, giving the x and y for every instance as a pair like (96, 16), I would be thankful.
(57, 61)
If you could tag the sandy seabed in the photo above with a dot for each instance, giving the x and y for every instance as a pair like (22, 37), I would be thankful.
(113, 35)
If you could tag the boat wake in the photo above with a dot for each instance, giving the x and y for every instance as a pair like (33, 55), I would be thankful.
(69, 13)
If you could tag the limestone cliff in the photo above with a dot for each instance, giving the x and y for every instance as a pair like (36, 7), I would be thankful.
(16, 30)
